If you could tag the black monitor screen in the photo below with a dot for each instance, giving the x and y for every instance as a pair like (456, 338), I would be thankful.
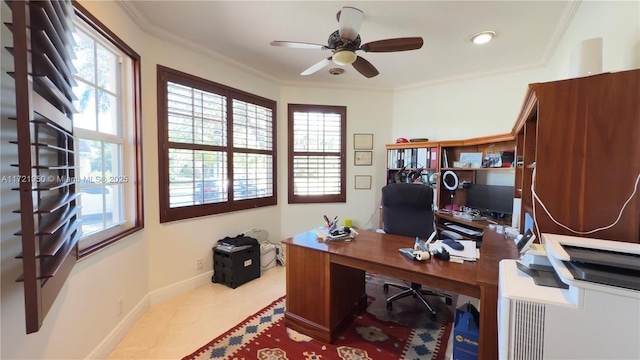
(490, 198)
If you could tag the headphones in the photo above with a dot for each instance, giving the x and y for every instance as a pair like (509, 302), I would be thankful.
(415, 175)
(399, 175)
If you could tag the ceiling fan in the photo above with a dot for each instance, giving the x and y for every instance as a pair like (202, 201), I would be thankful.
(345, 41)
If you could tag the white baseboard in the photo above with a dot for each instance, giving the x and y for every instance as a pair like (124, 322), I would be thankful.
(116, 335)
(179, 288)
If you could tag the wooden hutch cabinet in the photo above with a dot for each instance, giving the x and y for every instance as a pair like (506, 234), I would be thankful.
(578, 146)
(405, 160)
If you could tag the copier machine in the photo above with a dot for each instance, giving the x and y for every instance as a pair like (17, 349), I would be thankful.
(592, 313)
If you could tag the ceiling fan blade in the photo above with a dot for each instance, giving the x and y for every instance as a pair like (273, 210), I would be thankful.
(318, 66)
(390, 45)
(297, 45)
(350, 20)
(365, 68)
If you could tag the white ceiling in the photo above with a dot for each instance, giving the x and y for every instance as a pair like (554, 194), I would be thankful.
(239, 33)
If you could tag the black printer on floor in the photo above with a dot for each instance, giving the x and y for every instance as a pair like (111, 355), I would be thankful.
(236, 261)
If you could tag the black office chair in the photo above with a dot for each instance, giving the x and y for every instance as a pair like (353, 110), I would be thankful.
(407, 209)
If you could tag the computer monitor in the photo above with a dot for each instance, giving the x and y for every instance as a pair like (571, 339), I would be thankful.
(491, 198)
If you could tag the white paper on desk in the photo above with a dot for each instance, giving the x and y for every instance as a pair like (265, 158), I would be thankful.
(324, 234)
(468, 253)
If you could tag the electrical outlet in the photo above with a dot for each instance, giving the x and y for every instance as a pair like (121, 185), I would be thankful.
(120, 306)
(199, 263)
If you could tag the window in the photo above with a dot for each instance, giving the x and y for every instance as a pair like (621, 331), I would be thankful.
(107, 128)
(317, 142)
(216, 149)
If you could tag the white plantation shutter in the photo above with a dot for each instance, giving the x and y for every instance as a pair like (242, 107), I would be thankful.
(217, 149)
(317, 153)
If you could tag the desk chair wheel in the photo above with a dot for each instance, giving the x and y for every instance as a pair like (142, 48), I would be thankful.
(432, 314)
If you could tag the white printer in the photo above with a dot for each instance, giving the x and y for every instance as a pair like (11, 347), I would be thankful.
(596, 317)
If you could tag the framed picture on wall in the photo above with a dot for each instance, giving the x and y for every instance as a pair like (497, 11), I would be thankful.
(363, 158)
(363, 182)
(363, 141)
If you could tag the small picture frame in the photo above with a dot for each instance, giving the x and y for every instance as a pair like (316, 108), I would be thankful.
(363, 141)
(363, 158)
(363, 182)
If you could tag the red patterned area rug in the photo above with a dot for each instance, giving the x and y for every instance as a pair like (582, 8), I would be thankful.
(405, 332)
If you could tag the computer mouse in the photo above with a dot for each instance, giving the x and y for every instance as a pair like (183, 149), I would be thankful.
(442, 254)
(453, 244)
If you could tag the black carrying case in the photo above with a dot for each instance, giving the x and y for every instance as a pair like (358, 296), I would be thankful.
(236, 266)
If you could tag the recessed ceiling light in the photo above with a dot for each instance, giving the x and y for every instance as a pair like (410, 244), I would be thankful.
(336, 71)
(483, 37)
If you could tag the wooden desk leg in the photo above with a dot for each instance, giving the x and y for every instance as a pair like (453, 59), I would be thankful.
(322, 298)
(488, 349)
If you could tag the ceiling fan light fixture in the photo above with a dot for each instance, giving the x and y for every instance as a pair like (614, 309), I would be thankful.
(483, 37)
(344, 57)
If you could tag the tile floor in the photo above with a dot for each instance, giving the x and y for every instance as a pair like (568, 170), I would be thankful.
(177, 327)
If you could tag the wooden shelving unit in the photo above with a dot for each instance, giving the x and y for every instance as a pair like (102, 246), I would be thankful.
(403, 166)
(578, 139)
(496, 144)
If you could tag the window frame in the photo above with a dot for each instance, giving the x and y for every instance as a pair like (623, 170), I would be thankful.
(133, 199)
(167, 213)
(325, 109)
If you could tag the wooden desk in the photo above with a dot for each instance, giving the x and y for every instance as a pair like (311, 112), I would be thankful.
(326, 283)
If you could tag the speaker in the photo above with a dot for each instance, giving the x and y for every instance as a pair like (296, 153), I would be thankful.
(586, 58)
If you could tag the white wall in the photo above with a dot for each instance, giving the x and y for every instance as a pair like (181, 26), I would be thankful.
(83, 321)
(175, 246)
(616, 22)
(367, 112)
(490, 105)
(462, 109)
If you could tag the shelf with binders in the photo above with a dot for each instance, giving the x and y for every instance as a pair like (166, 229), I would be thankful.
(411, 162)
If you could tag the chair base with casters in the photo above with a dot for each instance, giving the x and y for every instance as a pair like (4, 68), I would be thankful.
(414, 290)
(407, 210)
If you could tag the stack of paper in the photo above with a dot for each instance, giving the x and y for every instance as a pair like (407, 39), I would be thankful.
(469, 252)
(324, 234)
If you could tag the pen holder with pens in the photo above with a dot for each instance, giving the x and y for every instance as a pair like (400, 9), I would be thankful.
(330, 226)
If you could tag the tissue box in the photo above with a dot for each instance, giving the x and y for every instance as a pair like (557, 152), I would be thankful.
(466, 335)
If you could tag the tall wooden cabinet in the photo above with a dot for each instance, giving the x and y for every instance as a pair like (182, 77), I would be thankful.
(578, 146)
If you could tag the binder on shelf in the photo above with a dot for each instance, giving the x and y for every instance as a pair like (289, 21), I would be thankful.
(391, 156)
(434, 158)
(422, 158)
(445, 161)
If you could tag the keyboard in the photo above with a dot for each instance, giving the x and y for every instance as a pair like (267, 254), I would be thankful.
(469, 217)
(463, 229)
